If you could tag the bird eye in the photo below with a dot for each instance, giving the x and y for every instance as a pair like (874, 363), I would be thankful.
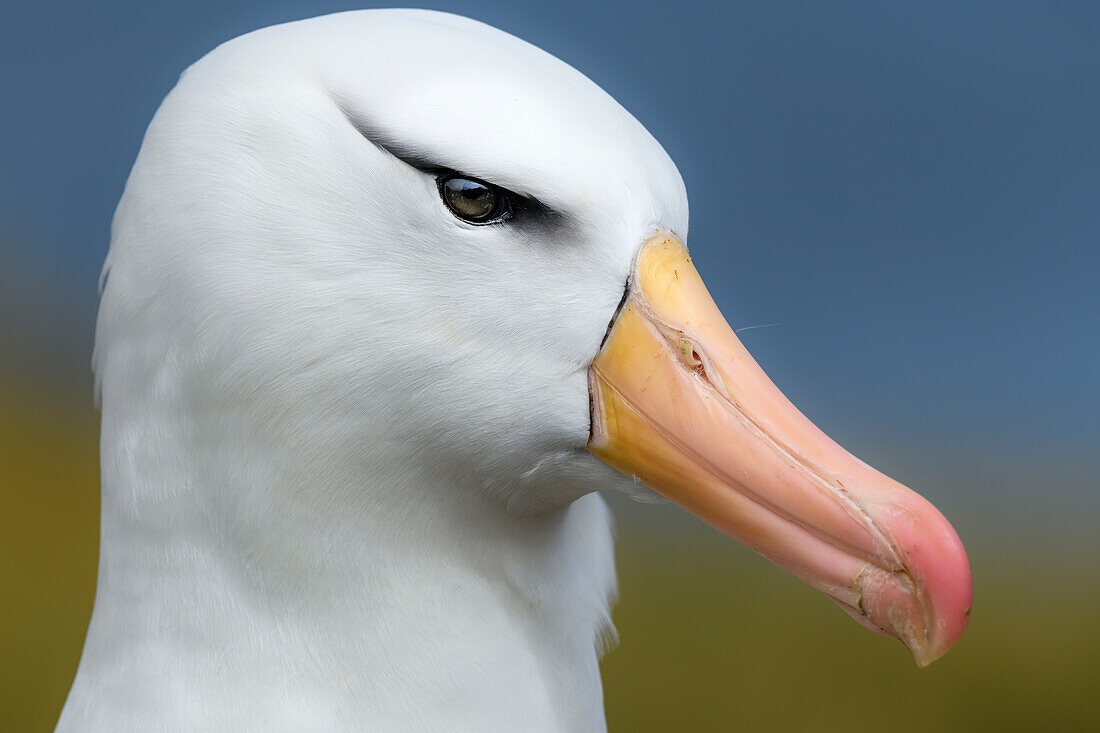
(473, 201)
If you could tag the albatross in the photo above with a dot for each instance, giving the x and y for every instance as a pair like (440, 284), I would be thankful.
(390, 297)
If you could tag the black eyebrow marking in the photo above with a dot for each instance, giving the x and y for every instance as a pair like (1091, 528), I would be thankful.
(527, 209)
(380, 140)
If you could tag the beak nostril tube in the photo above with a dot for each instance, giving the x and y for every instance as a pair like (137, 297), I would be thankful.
(690, 354)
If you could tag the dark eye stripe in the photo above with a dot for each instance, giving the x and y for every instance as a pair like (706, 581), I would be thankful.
(525, 210)
(473, 201)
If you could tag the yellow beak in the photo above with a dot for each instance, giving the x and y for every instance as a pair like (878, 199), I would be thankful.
(680, 405)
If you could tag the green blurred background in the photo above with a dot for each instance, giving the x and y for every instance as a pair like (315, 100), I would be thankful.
(912, 193)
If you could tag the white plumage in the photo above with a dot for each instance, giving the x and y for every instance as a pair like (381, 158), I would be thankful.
(345, 484)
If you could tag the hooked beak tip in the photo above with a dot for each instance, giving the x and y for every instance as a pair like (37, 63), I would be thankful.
(926, 604)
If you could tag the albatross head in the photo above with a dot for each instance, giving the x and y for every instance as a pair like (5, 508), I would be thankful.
(400, 264)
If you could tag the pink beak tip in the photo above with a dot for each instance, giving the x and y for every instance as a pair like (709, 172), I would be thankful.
(937, 563)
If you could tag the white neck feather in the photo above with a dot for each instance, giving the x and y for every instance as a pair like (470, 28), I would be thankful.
(245, 585)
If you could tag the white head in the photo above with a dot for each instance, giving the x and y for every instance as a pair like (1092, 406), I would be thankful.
(284, 241)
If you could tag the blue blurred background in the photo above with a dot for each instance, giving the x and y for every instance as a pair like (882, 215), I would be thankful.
(906, 195)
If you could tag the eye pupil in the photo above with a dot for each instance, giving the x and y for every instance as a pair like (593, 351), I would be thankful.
(471, 200)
